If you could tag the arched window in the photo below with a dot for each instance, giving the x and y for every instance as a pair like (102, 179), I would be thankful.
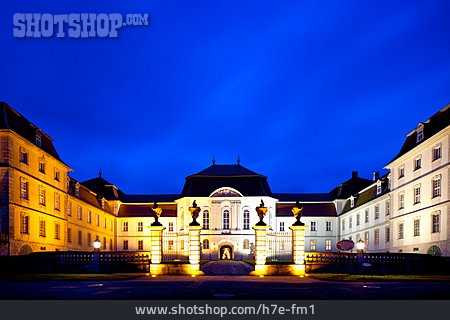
(246, 244)
(206, 219)
(226, 219)
(246, 220)
(206, 244)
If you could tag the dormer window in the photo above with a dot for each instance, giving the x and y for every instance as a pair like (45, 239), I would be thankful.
(38, 140)
(378, 187)
(352, 201)
(419, 131)
(77, 189)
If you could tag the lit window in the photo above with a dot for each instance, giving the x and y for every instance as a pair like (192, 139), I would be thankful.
(104, 223)
(170, 245)
(246, 244)
(69, 208)
(401, 200)
(437, 152)
(416, 227)
(41, 165)
(313, 226)
(226, 219)
(206, 219)
(56, 174)
(170, 226)
(97, 221)
(125, 244)
(436, 222)
(400, 231)
(89, 216)
(377, 211)
(57, 201)
(387, 231)
(141, 226)
(366, 239)
(41, 195)
(328, 245)
(124, 226)
(376, 236)
(366, 216)
(182, 245)
(38, 140)
(24, 223)
(328, 226)
(281, 226)
(24, 188)
(206, 244)
(417, 163)
(436, 186)
(416, 194)
(79, 213)
(23, 156)
(246, 220)
(140, 244)
(69, 235)
(77, 189)
(312, 245)
(41, 228)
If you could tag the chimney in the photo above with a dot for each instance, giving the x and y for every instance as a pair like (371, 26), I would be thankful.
(354, 174)
(376, 175)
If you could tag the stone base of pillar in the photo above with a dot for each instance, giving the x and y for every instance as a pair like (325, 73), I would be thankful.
(260, 270)
(156, 269)
(175, 269)
(297, 269)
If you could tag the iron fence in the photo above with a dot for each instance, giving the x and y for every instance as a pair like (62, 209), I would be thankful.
(175, 246)
(279, 246)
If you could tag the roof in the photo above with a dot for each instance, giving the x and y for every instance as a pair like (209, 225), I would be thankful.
(432, 126)
(309, 210)
(11, 119)
(349, 187)
(88, 196)
(293, 197)
(142, 210)
(150, 198)
(103, 188)
(247, 182)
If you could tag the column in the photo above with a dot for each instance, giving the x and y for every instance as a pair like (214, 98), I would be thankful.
(260, 249)
(194, 250)
(157, 246)
(298, 249)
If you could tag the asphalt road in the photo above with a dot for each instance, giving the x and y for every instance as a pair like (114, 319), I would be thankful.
(220, 287)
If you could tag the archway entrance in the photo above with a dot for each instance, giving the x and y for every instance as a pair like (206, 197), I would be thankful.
(226, 253)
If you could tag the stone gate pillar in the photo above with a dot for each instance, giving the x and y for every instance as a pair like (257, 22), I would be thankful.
(157, 247)
(298, 249)
(194, 249)
(260, 249)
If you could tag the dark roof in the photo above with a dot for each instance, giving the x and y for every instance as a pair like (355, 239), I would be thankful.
(349, 187)
(309, 210)
(433, 125)
(149, 198)
(11, 119)
(88, 196)
(368, 195)
(103, 188)
(293, 197)
(237, 177)
(142, 210)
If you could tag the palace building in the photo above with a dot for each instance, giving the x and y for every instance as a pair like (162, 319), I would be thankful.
(44, 209)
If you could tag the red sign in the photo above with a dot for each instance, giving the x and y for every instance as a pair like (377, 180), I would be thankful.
(345, 245)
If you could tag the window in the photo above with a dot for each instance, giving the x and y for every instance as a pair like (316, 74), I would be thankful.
(56, 174)
(328, 226)
(401, 200)
(57, 201)
(350, 222)
(416, 194)
(124, 226)
(182, 245)
(376, 236)
(352, 202)
(417, 163)
(437, 153)
(312, 245)
(416, 227)
(38, 140)
(205, 220)
(23, 156)
(343, 224)
(125, 244)
(80, 237)
(358, 219)
(79, 213)
(436, 185)
(366, 216)
(419, 131)
(57, 231)
(69, 208)
(24, 188)
(328, 245)
(377, 211)
(378, 187)
(358, 237)
(104, 223)
(141, 226)
(140, 244)
(400, 231)
(246, 220)
(170, 226)
(104, 243)
(281, 225)
(246, 244)
(366, 239)
(436, 222)
(387, 231)
(24, 223)
(401, 171)
(77, 189)
(110, 225)
(41, 165)
(226, 219)
(97, 221)
(313, 226)
(89, 239)
(69, 235)
(206, 244)
(41, 195)
(388, 207)
(111, 245)
(41, 228)
(170, 245)
(89, 216)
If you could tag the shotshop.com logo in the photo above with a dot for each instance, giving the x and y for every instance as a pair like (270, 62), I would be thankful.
(74, 25)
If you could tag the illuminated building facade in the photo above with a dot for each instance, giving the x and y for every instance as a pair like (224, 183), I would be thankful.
(43, 209)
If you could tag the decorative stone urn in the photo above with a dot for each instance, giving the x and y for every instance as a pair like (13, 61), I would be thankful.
(297, 212)
(158, 211)
(261, 211)
(194, 210)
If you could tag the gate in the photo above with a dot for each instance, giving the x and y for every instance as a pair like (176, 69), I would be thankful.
(279, 246)
(175, 246)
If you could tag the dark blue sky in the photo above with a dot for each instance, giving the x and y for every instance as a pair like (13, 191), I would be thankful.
(304, 92)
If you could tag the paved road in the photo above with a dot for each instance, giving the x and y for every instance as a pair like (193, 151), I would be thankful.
(227, 267)
(220, 287)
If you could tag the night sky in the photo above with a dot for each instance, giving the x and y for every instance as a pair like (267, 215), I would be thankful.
(304, 92)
